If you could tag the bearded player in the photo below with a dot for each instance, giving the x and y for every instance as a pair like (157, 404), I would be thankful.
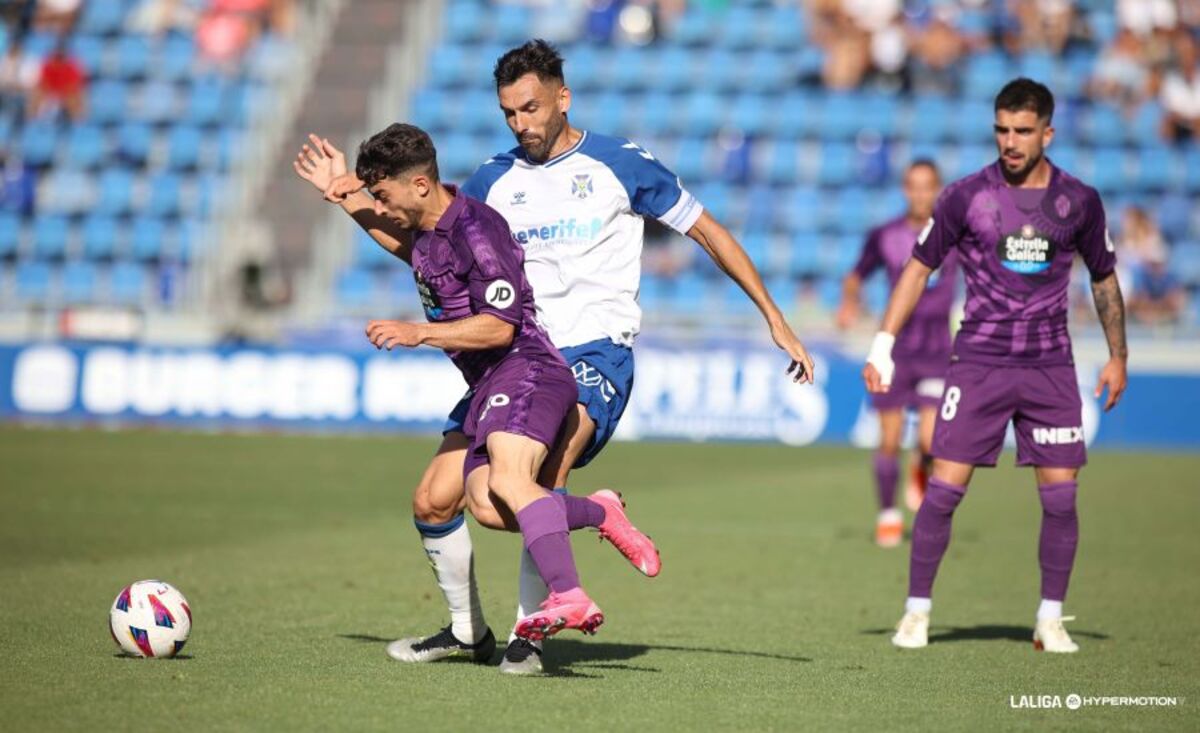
(921, 354)
(1016, 226)
(575, 200)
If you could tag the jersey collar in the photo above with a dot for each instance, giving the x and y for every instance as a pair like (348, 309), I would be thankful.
(451, 213)
(563, 155)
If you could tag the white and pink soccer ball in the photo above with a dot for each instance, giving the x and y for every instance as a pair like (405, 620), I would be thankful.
(150, 619)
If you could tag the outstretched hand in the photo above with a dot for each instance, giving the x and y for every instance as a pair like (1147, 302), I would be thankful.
(801, 368)
(320, 163)
(389, 334)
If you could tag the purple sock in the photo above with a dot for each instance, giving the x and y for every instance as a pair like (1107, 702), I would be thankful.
(931, 535)
(582, 512)
(1060, 536)
(887, 474)
(544, 529)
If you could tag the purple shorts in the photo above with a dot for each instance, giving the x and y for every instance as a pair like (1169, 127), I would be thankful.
(1042, 402)
(916, 383)
(528, 397)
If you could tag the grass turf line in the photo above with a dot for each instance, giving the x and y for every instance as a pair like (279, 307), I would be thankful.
(772, 612)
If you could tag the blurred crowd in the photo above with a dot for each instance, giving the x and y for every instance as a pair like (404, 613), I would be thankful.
(33, 87)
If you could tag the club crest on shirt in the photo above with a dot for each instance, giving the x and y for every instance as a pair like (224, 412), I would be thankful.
(1062, 206)
(581, 186)
(1026, 251)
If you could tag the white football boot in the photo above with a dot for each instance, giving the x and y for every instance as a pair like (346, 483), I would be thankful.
(913, 631)
(1050, 636)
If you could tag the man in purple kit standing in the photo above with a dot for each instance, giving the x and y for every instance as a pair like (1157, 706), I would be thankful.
(480, 308)
(922, 350)
(1016, 226)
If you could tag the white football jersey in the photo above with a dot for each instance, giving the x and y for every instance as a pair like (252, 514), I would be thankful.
(579, 218)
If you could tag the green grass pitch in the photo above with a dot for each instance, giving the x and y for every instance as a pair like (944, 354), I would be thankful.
(772, 612)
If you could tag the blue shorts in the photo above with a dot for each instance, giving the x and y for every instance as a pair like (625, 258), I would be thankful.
(604, 375)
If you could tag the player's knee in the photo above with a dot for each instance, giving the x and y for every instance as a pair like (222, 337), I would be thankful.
(429, 508)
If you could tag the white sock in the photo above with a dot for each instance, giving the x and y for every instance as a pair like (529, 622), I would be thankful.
(454, 567)
(918, 605)
(531, 591)
(1049, 609)
(890, 516)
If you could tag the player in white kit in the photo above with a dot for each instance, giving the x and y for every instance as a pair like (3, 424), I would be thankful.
(576, 202)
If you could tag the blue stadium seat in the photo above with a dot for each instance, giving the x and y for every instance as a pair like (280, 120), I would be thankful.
(127, 283)
(156, 102)
(134, 140)
(721, 71)
(1156, 169)
(653, 293)
(694, 28)
(206, 101)
(33, 282)
(89, 51)
(739, 28)
(50, 237)
(165, 190)
(846, 211)
(1110, 171)
(783, 163)
(402, 288)
(629, 69)
(841, 117)
(783, 290)
(838, 164)
(38, 142)
(355, 288)
(10, 234)
(466, 22)
(455, 65)
(87, 147)
(101, 18)
(758, 247)
(1145, 125)
(690, 160)
(78, 281)
(805, 253)
(73, 191)
(99, 237)
(791, 113)
(1185, 262)
(985, 74)
(131, 59)
(799, 209)
(432, 110)
(183, 147)
(784, 28)
(678, 70)
(116, 191)
(703, 115)
(510, 24)
(271, 58)
(148, 238)
(1103, 125)
(751, 113)
(176, 58)
(688, 293)
(108, 101)
(881, 114)
(230, 146)
(932, 119)
(1173, 214)
(653, 117)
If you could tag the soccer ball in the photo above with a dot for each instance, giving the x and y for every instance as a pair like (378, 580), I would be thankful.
(150, 619)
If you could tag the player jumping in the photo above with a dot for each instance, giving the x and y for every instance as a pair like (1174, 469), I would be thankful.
(576, 201)
(922, 350)
(1016, 225)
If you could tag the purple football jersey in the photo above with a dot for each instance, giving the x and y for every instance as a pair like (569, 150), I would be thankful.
(927, 333)
(1015, 247)
(468, 265)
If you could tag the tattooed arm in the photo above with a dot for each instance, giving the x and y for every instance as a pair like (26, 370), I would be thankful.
(1110, 306)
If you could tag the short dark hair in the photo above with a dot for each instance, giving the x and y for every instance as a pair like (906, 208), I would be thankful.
(398, 149)
(1026, 94)
(534, 57)
(925, 163)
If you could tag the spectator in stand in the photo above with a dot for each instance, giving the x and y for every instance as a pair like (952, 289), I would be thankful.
(156, 17)
(18, 77)
(1121, 75)
(1180, 92)
(847, 47)
(57, 16)
(60, 86)
(1158, 298)
(937, 50)
(222, 37)
(1145, 17)
(18, 185)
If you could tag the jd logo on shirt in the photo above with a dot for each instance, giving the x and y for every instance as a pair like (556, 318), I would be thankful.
(500, 294)
(1026, 251)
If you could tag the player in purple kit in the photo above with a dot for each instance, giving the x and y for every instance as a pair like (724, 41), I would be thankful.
(922, 350)
(480, 308)
(1016, 226)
